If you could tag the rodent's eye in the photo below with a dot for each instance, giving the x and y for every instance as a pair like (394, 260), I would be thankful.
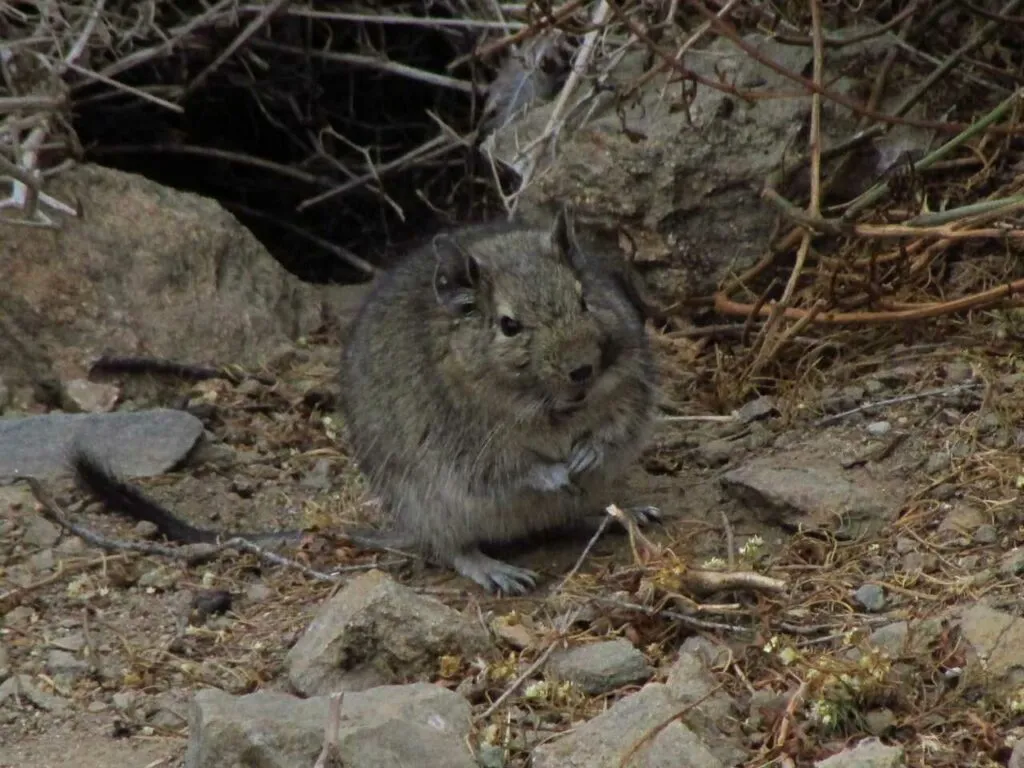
(509, 325)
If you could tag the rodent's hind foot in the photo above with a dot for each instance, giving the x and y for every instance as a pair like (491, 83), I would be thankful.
(645, 515)
(494, 575)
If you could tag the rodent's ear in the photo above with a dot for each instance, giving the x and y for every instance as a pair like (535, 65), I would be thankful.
(562, 237)
(458, 275)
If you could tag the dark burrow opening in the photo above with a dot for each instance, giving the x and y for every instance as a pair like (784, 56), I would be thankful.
(280, 121)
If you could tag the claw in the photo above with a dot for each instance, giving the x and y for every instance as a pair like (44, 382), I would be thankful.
(494, 575)
(585, 457)
(645, 515)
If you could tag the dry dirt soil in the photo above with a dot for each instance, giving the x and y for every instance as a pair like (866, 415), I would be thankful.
(279, 464)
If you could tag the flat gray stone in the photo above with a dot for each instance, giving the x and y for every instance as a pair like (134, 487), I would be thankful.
(870, 753)
(133, 444)
(820, 493)
(421, 725)
(22, 685)
(600, 667)
(608, 739)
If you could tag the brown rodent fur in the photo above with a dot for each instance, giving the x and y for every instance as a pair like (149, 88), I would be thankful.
(494, 383)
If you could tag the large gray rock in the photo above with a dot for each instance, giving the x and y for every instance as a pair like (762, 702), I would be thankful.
(600, 667)
(376, 631)
(607, 740)
(144, 270)
(996, 640)
(418, 725)
(134, 444)
(869, 753)
(27, 374)
(710, 711)
(683, 175)
(806, 485)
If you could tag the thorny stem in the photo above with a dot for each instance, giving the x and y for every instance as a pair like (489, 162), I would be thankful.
(878, 191)
(731, 34)
(766, 352)
(981, 300)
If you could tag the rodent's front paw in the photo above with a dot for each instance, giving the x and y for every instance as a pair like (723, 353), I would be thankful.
(550, 477)
(585, 457)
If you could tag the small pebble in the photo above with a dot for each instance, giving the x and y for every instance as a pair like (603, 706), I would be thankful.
(42, 561)
(491, 756)
(258, 593)
(717, 452)
(879, 721)
(871, 596)
(90, 396)
(41, 533)
(918, 562)
(123, 701)
(1013, 562)
(937, 462)
(1011, 382)
(970, 562)
(72, 643)
(760, 437)
(71, 546)
(990, 422)
(958, 373)
(600, 667)
(986, 534)
(905, 544)
(515, 633)
(854, 393)
(874, 387)
(160, 579)
(250, 387)
(319, 476)
(761, 408)
(19, 616)
(1002, 440)
(146, 530)
(878, 428)
(58, 661)
(243, 487)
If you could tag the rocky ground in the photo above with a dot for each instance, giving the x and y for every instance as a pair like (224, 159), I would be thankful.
(866, 532)
(837, 579)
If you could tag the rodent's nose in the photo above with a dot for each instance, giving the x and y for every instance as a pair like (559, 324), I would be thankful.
(582, 374)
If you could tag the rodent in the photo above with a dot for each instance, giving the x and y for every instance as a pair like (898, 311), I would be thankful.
(494, 384)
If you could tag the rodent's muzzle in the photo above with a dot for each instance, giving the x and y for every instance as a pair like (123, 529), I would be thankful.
(581, 361)
(579, 381)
